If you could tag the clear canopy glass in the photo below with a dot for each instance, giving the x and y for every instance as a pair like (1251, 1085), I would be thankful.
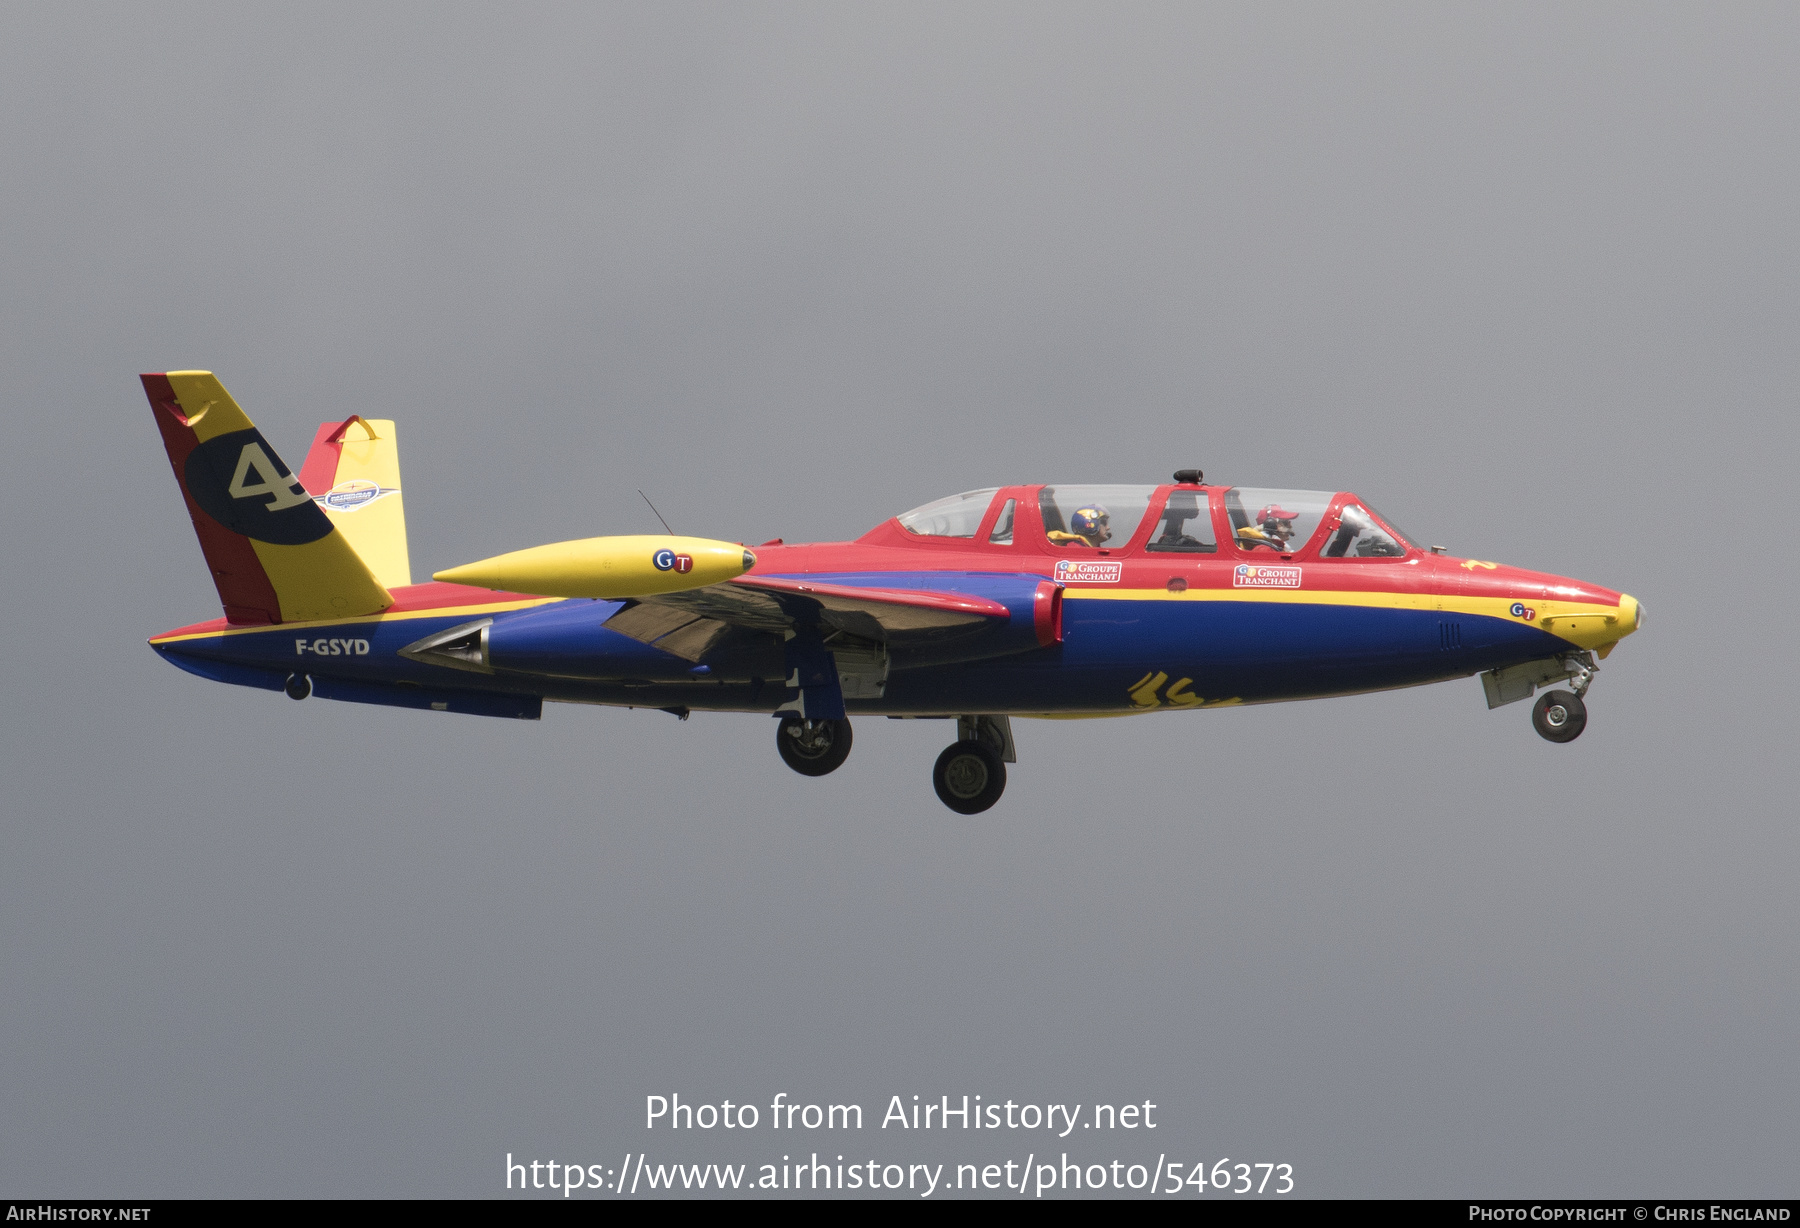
(1358, 536)
(1093, 516)
(1274, 521)
(1285, 521)
(957, 516)
(1186, 525)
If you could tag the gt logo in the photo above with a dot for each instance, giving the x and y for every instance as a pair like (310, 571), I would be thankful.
(1521, 610)
(284, 490)
(668, 560)
(332, 648)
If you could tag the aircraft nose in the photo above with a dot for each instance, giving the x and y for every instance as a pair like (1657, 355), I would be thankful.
(1631, 613)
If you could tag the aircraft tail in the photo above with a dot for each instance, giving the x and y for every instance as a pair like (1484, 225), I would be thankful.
(353, 473)
(275, 556)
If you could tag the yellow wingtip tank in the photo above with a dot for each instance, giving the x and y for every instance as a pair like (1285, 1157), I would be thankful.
(608, 567)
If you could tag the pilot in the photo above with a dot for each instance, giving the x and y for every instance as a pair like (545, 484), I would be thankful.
(1092, 526)
(1274, 528)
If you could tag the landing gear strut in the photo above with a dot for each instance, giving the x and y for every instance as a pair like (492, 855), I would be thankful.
(1560, 716)
(813, 748)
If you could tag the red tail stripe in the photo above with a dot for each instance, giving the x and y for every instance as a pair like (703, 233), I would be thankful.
(319, 473)
(244, 588)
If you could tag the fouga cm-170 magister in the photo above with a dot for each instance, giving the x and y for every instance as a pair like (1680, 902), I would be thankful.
(1047, 601)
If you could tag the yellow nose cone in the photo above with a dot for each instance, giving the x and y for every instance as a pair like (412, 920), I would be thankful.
(1631, 614)
(1616, 627)
(615, 567)
(1594, 626)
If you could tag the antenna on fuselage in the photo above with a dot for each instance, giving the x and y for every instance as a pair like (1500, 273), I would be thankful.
(654, 512)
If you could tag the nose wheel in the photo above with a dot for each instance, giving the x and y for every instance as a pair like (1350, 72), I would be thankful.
(1559, 716)
(813, 748)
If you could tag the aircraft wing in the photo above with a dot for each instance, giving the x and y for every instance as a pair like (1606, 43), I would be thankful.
(688, 623)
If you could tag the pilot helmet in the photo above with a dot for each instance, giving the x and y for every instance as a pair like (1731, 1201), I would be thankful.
(1275, 516)
(1092, 521)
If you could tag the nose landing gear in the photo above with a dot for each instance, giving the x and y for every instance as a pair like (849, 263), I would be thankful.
(1560, 716)
(813, 748)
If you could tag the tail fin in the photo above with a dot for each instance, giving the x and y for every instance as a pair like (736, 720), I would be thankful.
(353, 472)
(275, 556)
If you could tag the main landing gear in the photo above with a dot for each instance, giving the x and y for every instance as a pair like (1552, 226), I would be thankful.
(813, 748)
(969, 776)
(1560, 716)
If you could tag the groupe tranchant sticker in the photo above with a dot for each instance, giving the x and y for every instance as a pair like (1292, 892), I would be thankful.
(1247, 575)
(1082, 571)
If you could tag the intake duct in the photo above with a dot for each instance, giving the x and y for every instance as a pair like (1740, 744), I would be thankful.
(464, 646)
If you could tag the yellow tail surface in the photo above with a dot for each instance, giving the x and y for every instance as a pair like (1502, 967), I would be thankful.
(275, 556)
(353, 474)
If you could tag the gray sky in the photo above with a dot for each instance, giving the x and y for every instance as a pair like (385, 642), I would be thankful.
(1525, 277)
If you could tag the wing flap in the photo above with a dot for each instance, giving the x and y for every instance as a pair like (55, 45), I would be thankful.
(689, 622)
(686, 634)
(895, 609)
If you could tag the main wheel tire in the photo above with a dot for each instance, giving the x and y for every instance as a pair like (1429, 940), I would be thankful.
(813, 748)
(297, 686)
(969, 777)
(1559, 716)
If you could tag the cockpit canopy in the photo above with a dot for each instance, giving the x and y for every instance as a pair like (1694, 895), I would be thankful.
(956, 516)
(1286, 521)
(1180, 520)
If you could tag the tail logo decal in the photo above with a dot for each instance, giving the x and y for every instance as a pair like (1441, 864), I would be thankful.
(238, 483)
(354, 494)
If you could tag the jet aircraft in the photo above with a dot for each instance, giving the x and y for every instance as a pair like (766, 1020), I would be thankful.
(1056, 601)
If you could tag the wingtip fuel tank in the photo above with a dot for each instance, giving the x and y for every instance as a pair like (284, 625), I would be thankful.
(609, 567)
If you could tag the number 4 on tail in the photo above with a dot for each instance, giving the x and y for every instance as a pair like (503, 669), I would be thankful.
(285, 490)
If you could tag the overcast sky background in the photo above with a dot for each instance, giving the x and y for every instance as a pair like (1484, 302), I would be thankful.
(1524, 276)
